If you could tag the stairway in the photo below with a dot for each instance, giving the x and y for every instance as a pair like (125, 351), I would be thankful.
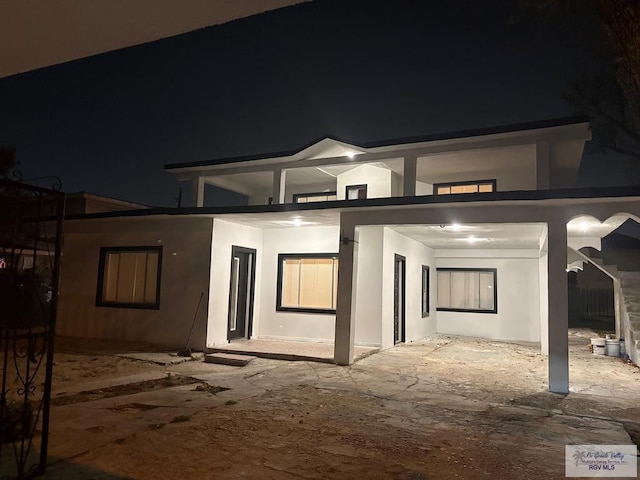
(231, 359)
(630, 313)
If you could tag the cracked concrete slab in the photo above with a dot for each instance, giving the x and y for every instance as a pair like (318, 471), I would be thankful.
(448, 407)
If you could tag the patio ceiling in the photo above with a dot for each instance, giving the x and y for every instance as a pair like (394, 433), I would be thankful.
(476, 236)
(262, 181)
(485, 236)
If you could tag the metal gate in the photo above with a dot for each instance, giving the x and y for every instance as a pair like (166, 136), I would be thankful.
(31, 221)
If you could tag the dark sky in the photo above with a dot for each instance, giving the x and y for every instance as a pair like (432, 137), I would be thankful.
(363, 70)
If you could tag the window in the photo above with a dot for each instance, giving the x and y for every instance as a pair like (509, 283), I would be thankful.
(425, 291)
(307, 282)
(467, 290)
(477, 186)
(129, 277)
(356, 192)
(314, 197)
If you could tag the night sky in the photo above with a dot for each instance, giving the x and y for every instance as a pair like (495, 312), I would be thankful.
(362, 70)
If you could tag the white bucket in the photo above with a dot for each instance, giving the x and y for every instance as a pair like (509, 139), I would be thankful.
(612, 347)
(598, 345)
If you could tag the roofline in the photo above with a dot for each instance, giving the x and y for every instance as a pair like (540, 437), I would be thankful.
(95, 196)
(518, 195)
(534, 125)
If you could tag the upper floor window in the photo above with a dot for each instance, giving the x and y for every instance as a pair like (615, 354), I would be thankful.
(356, 192)
(129, 277)
(314, 197)
(477, 186)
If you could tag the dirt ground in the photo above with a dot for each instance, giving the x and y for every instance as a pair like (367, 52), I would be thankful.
(446, 407)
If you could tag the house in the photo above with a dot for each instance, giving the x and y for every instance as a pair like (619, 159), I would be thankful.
(467, 233)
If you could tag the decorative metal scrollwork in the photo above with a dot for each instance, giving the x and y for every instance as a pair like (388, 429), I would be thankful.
(29, 270)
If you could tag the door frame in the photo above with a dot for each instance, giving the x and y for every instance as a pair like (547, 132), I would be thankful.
(399, 334)
(251, 289)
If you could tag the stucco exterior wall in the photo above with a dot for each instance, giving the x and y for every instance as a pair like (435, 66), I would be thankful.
(185, 274)
(367, 296)
(293, 325)
(424, 188)
(377, 180)
(513, 168)
(543, 281)
(416, 255)
(225, 236)
(518, 312)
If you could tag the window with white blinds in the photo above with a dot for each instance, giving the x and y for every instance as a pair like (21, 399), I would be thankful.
(467, 290)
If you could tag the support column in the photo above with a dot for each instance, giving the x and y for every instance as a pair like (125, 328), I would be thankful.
(279, 177)
(197, 192)
(558, 307)
(345, 320)
(409, 177)
(617, 301)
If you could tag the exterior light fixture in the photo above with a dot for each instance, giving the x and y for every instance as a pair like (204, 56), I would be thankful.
(351, 154)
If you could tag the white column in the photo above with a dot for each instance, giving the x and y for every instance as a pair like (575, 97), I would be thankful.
(409, 177)
(345, 319)
(617, 300)
(558, 307)
(279, 180)
(197, 193)
(543, 165)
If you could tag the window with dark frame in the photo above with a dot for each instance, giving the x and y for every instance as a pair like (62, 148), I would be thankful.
(425, 291)
(307, 282)
(475, 186)
(356, 192)
(129, 277)
(467, 290)
(314, 197)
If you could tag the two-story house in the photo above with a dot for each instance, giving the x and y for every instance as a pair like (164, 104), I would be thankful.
(467, 233)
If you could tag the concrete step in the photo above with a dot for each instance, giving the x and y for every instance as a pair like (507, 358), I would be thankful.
(232, 359)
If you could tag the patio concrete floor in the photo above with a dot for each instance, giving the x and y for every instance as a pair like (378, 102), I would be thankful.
(446, 407)
(287, 350)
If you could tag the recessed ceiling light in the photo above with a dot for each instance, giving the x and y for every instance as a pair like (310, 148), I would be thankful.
(296, 222)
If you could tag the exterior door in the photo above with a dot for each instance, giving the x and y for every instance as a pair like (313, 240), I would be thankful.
(399, 282)
(243, 269)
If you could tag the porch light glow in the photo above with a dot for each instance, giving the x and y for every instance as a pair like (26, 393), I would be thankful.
(456, 227)
(351, 154)
(472, 239)
(296, 222)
